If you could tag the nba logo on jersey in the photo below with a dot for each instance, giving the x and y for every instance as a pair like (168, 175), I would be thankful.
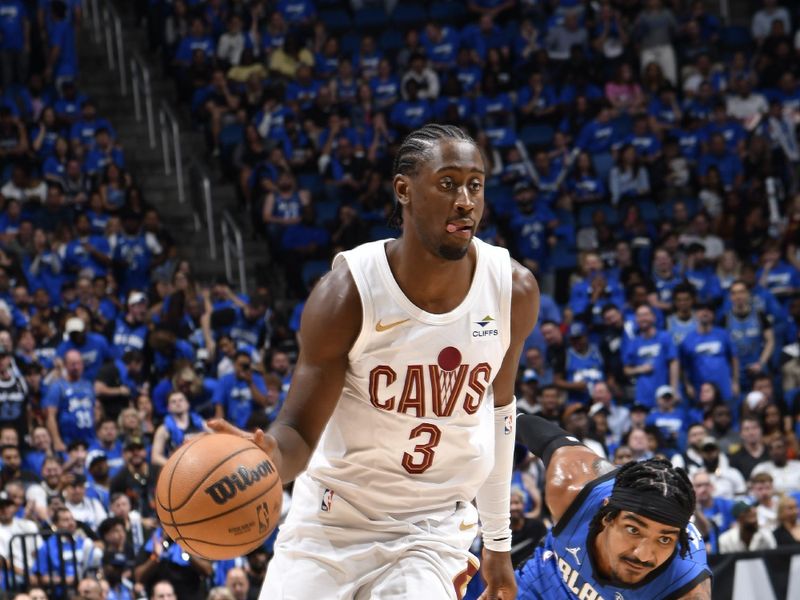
(508, 427)
(327, 501)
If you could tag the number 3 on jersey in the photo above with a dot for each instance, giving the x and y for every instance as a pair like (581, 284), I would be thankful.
(412, 462)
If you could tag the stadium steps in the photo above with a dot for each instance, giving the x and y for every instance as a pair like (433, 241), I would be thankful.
(146, 164)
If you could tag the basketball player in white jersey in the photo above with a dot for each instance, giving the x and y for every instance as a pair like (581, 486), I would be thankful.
(401, 411)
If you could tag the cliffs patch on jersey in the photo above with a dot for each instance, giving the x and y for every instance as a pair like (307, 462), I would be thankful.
(485, 327)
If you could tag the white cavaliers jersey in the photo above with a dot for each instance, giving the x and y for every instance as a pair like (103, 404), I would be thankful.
(413, 431)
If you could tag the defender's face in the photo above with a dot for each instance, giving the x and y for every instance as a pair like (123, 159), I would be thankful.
(635, 546)
(444, 201)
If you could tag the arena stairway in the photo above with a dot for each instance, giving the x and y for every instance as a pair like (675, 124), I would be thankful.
(147, 167)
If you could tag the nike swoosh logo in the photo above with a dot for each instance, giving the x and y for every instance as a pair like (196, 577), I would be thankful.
(466, 526)
(381, 327)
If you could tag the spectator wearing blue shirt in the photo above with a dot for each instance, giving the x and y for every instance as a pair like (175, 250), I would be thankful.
(730, 129)
(682, 320)
(385, 86)
(92, 347)
(669, 418)
(58, 554)
(367, 60)
(297, 12)
(664, 111)
(441, 45)
(82, 132)
(537, 100)
(582, 368)
(730, 167)
(87, 255)
(718, 510)
(700, 274)
(15, 42)
(707, 356)
(484, 35)
(132, 257)
(751, 333)
(70, 405)
(102, 153)
(532, 226)
(411, 113)
(650, 357)
(776, 275)
(62, 57)
(130, 332)
(241, 393)
(599, 134)
(197, 39)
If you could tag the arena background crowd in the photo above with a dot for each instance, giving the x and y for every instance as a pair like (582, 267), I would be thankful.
(643, 161)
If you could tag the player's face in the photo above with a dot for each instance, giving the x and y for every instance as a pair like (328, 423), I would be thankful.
(444, 200)
(636, 545)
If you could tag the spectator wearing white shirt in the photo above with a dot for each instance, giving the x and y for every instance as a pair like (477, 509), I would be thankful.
(88, 511)
(745, 105)
(727, 480)
(745, 535)
(11, 526)
(785, 473)
(762, 21)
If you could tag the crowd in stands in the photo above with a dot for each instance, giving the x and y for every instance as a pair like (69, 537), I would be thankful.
(643, 162)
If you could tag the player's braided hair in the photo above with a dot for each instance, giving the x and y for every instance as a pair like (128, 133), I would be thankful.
(416, 147)
(654, 475)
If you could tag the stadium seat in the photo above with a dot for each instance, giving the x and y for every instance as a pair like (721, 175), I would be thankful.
(314, 269)
(326, 212)
(563, 256)
(371, 17)
(736, 37)
(447, 12)
(649, 211)
(311, 182)
(537, 135)
(500, 199)
(381, 232)
(230, 137)
(391, 40)
(602, 164)
(350, 43)
(409, 14)
(336, 20)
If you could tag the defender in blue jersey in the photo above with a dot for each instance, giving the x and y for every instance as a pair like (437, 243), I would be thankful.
(619, 533)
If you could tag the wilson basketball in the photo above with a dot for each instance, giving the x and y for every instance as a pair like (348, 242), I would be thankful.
(219, 496)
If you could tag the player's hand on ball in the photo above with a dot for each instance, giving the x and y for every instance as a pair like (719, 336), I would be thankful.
(263, 440)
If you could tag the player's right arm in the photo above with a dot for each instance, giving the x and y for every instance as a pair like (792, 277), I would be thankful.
(701, 592)
(330, 325)
(569, 464)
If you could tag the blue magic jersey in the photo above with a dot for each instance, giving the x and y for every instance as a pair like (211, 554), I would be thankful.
(562, 567)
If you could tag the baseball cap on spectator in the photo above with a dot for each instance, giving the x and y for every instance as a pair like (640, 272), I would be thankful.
(665, 390)
(740, 508)
(136, 297)
(529, 375)
(709, 442)
(571, 409)
(133, 442)
(93, 456)
(5, 499)
(577, 329)
(74, 324)
(598, 407)
(754, 398)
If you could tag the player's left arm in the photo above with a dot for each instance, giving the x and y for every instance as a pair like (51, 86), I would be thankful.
(702, 591)
(493, 498)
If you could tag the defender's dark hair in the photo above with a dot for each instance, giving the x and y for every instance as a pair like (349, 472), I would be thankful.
(416, 147)
(653, 475)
